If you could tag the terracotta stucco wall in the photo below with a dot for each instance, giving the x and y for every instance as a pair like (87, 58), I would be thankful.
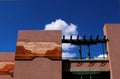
(112, 31)
(5, 77)
(38, 55)
(7, 65)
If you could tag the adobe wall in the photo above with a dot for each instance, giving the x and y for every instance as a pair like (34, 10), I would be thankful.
(7, 56)
(38, 55)
(112, 31)
(7, 65)
(5, 77)
(39, 68)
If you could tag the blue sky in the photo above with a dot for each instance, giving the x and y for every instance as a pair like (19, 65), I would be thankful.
(88, 15)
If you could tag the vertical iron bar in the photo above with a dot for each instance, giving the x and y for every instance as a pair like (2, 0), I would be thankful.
(80, 51)
(103, 50)
(63, 37)
(106, 50)
(77, 37)
(70, 37)
(89, 57)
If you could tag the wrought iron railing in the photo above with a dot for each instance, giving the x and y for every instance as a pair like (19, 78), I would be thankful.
(87, 42)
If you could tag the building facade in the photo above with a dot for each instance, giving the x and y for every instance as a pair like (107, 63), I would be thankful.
(39, 56)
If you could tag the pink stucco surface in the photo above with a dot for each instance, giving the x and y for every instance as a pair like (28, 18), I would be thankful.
(73, 65)
(90, 66)
(7, 56)
(39, 68)
(33, 43)
(7, 65)
(6, 77)
(112, 31)
(40, 35)
(38, 55)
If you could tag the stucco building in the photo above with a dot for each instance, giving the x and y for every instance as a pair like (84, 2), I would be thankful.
(38, 55)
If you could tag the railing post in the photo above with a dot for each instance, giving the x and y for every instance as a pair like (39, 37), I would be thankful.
(89, 57)
(103, 50)
(80, 51)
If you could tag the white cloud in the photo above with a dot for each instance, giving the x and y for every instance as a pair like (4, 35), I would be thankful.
(57, 25)
(67, 30)
(67, 46)
(101, 56)
(67, 55)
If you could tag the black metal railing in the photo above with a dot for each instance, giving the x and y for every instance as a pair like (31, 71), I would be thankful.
(87, 42)
(85, 58)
